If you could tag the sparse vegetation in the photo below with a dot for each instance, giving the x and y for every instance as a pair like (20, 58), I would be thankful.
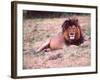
(38, 30)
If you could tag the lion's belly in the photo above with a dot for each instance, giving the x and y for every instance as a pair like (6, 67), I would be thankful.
(57, 42)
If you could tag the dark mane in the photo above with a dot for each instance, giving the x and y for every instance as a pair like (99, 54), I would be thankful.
(70, 22)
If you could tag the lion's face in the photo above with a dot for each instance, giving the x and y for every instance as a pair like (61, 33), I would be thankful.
(71, 31)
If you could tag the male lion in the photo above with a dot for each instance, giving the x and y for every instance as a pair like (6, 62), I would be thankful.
(71, 35)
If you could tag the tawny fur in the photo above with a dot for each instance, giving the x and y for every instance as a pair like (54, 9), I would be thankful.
(71, 34)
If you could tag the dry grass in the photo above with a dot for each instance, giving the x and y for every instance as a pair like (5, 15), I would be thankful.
(37, 31)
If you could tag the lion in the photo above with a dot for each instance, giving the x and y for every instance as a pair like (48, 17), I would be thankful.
(71, 35)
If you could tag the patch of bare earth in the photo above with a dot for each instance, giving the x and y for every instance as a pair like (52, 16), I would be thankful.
(38, 31)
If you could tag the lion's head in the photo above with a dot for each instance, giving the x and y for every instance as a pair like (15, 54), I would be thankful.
(72, 32)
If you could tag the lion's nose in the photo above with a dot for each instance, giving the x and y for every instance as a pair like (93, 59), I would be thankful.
(71, 33)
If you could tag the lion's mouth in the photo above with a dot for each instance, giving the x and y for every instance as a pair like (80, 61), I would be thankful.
(71, 37)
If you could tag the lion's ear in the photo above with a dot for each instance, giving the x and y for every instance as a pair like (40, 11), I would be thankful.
(66, 22)
(76, 21)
